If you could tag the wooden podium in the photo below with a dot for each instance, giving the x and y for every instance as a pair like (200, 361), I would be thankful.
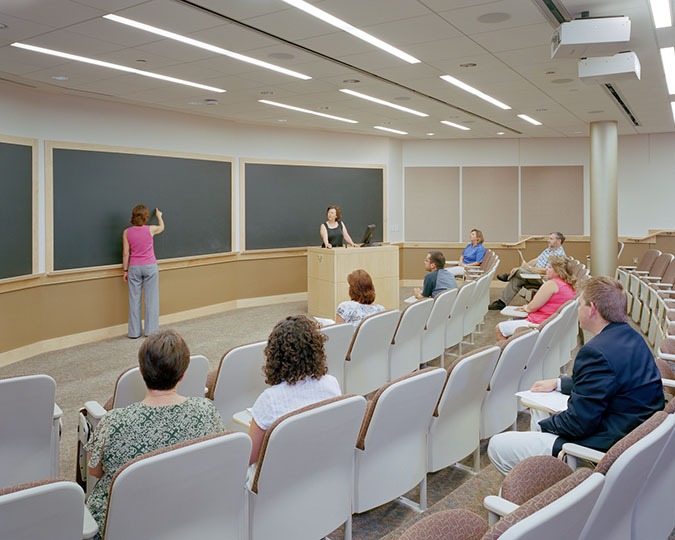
(327, 271)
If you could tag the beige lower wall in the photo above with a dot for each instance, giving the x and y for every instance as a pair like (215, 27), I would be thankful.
(54, 309)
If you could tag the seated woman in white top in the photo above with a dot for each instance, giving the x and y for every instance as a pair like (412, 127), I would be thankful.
(362, 294)
(296, 372)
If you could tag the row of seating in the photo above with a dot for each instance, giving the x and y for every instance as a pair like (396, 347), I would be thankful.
(625, 497)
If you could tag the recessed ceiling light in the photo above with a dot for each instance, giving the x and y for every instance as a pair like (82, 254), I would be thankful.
(141, 60)
(452, 124)
(202, 45)
(307, 111)
(383, 102)
(324, 108)
(114, 66)
(500, 133)
(474, 91)
(59, 77)
(550, 73)
(3, 26)
(430, 134)
(351, 81)
(493, 18)
(468, 65)
(597, 111)
(661, 13)
(391, 130)
(529, 119)
(281, 56)
(267, 93)
(342, 25)
(668, 60)
(211, 101)
(561, 81)
(541, 110)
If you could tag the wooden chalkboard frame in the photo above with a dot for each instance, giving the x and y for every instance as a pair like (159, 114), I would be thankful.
(243, 161)
(33, 144)
(50, 146)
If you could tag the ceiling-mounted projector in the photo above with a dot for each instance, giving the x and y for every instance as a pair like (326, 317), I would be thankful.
(590, 37)
(620, 67)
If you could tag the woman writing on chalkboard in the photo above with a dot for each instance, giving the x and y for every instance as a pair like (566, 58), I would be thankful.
(333, 231)
(140, 270)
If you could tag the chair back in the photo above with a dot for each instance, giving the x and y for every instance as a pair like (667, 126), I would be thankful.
(27, 405)
(534, 369)
(189, 490)
(336, 347)
(239, 381)
(433, 337)
(478, 305)
(660, 265)
(130, 387)
(391, 455)
(454, 430)
(500, 406)
(648, 259)
(559, 513)
(46, 510)
(653, 511)
(624, 478)
(405, 353)
(303, 482)
(367, 366)
(454, 328)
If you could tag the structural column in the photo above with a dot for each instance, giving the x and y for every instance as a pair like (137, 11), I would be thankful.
(604, 202)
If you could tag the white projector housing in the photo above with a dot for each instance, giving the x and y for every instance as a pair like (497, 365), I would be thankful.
(590, 37)
(620, 67)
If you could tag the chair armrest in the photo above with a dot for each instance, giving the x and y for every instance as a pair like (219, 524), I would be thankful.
(451, 263)
(533, 276)
(627, 267)
(581, 452)
(670, 383)
(666, 356)
(58, 413)
(89, 527)
(95, 410)
(497, 508)
(640, 272)
(651, 278)
(662, 286)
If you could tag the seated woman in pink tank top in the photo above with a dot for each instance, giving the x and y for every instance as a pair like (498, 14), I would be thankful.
(140, 270)
(551, 295)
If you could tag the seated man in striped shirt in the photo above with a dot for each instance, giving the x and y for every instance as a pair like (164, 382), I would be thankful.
(535, 266)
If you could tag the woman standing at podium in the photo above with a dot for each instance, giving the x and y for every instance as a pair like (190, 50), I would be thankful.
(333, 231)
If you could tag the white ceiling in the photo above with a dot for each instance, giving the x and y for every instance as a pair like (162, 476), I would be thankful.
(512, 58)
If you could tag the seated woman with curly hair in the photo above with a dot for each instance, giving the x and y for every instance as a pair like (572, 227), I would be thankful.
(296, 372)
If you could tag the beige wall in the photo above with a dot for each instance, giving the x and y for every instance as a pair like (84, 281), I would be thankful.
(431, 204)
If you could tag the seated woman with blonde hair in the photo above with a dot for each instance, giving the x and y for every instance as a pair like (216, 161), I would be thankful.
(362, 294)
(551, 295)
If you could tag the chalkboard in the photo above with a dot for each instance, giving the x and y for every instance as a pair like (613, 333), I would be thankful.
(94, 193)
(286, 204)
(16, 210)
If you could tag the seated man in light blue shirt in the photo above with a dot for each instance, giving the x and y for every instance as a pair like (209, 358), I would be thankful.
(438, 278)
(535, 266)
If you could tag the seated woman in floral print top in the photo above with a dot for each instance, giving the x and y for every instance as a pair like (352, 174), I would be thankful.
(362, 294)
(162, 419)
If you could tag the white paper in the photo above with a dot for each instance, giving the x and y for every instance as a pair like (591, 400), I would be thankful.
(324, 322)
(554, 401)
(410, 300)
(511, 311)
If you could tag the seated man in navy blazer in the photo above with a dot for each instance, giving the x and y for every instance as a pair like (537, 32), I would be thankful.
(615, 385)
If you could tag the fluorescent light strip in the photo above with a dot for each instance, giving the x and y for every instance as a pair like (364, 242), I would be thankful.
(530, 120)
(672, 106)
(661, 13)
(474, 91)
(383, 102)
(114, 66)
(205, 46)
(391, 130)
(668, 60)
(299, 109)
(452, 124)
(342, 25)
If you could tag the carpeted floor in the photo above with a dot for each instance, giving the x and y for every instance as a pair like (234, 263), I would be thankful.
(88, 372)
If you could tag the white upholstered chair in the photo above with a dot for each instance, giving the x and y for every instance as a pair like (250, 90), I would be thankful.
(391, 451)
(433, 337)
(337, 345)
(405, 353)
(454, 328)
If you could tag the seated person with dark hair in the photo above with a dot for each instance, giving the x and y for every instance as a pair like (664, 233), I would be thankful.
(615, 385)
(162, 419)
(536, 266)
(438, 278)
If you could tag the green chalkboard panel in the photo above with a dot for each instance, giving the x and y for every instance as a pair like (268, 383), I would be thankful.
(16, 210)
(94, 193)
(286, 204)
